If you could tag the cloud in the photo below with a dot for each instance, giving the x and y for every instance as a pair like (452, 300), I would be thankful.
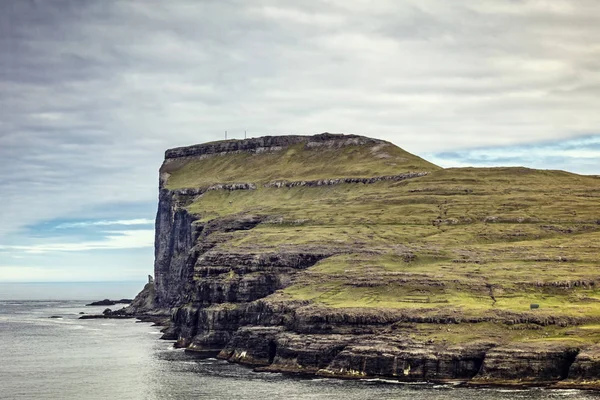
(92, 93)
(112, 241)
(580, 155)
(126, 222)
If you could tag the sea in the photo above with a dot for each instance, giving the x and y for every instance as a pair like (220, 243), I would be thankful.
(47, 352)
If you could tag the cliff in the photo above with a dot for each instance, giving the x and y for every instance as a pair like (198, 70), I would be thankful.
(345, 256)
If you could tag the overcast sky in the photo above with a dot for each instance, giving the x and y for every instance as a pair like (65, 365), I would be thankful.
(93, 92)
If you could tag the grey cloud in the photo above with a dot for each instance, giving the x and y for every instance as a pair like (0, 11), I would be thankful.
(93, 92)
(581, 155)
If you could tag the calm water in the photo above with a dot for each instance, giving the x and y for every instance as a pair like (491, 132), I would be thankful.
(67, 358)
(69, 290)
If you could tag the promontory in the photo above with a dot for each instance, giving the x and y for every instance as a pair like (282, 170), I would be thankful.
(346, 256)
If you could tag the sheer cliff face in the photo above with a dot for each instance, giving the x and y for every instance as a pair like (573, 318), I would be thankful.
(175, 233)
(177, 244)
(340, 255)
(175, 236)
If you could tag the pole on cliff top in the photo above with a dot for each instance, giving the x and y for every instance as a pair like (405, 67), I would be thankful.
(225, 135)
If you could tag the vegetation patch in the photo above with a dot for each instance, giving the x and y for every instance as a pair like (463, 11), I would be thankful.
(463, 242)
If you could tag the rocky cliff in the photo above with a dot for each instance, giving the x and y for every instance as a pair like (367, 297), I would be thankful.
(345, 256)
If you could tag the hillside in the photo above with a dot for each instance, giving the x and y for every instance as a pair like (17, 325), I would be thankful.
(341, 255)
(287, 158)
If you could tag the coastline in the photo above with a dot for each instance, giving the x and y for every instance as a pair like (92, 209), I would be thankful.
(466, 383)
(516, 384)
(293, 278)
(162, 320)
(177, 374)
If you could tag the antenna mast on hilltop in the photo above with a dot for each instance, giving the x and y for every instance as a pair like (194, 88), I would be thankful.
(225, 135)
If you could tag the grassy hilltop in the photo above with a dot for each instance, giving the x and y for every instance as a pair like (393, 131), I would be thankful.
(474, 244)
(298, 163)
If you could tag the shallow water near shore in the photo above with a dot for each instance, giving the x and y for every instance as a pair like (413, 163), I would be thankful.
(68, 358)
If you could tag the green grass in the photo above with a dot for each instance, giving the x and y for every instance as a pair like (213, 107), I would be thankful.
(295, 163)
(439, 244)
(512, 228)
(468, 333)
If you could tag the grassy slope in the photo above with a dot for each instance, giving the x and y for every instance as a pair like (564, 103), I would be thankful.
(444, 243)
(295, 163)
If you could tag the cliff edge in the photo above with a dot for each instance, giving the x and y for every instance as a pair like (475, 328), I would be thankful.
(346, 256)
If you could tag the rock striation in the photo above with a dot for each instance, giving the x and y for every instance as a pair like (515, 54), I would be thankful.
(337, 181)
(224, 295)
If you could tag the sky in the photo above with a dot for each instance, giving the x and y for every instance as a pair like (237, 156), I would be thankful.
(93, 92)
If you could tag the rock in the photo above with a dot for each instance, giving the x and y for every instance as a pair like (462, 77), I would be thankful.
(406, 359)
(108, 316)
(586, 366)
(337, 181)
(108, 313)
(144, 302)
(55, 316)
(105, 302)
(263, 144)
(542, 361)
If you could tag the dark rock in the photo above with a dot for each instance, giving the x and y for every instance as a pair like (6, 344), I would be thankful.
(144, 302)
(105, 302)
(108, 313)
(108, 316)
(586, 366)
(407, 360)
(108, 302)
(337, 181)
(545, 361)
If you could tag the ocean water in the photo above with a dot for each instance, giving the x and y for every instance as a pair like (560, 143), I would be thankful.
(68, 358)
(69, 290)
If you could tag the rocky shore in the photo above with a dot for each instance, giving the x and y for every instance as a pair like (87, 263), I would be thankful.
(276, 306)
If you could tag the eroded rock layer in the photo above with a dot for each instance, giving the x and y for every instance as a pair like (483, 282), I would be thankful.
(344, 256)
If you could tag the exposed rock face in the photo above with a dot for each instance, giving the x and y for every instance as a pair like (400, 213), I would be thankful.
(145, 301)
(220, 299)
(337, 181)
(174, 261)
(586, 365)
(266, 143)
(386, 356)
(548, 362)
(179, 242)
(208, 291)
